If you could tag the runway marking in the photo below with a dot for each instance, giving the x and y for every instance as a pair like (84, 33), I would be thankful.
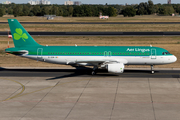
(22, 86)
(152, 99)
(18, 95)
(114, 99)
(78, 99)
(39, 101)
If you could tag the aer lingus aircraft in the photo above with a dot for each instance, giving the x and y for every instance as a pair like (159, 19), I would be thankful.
(112, 58)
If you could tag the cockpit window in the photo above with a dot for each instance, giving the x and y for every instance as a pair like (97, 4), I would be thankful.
(165, 53)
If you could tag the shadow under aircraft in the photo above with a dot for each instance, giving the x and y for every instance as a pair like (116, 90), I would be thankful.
(54, 74)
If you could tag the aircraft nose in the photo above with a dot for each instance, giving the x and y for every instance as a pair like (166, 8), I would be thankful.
(174, 59)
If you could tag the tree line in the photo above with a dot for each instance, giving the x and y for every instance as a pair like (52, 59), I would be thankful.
(144, 8)
(58, 10)
(147, 8)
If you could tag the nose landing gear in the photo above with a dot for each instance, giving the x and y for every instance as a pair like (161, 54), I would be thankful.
(152, 71)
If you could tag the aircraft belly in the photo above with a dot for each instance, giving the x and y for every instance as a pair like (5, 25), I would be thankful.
(148, 60)
(131, 60)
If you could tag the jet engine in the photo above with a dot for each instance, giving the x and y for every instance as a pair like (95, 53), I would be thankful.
(115, 68)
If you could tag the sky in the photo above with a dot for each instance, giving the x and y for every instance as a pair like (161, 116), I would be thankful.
(99, 1)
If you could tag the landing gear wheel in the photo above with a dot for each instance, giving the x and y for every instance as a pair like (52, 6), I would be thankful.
(94, 70)
(152, 71)
(93, 73)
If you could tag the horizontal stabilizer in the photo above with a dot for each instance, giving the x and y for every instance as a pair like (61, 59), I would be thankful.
(17, 52)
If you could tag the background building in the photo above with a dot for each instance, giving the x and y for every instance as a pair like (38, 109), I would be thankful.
(43, 2)
(77, 2)
(169, 1)
(68, 2)
(7, 2)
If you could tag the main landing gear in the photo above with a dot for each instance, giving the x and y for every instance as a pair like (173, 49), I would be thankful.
(94, 71)
(152, 71)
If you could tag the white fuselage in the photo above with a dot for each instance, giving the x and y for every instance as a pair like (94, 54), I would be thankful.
(129, 60)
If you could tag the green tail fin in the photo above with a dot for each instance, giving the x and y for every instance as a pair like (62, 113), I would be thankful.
(21, 37)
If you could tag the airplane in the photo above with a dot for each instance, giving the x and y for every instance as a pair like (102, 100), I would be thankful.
(112, 58)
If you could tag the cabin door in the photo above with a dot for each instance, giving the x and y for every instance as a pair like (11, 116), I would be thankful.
(107, 53)
(153, 53)
(39, 53)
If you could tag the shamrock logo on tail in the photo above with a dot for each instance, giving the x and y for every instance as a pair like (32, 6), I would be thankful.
(19, 34)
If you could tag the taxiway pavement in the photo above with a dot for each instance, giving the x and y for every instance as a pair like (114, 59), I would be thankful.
(43, 94)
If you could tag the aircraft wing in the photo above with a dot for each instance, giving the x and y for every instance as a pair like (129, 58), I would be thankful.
(103, 61)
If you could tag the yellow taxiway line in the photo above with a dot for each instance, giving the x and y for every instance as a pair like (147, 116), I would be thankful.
(23, 88)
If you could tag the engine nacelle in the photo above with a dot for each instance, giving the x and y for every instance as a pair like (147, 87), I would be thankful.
(115, 68)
